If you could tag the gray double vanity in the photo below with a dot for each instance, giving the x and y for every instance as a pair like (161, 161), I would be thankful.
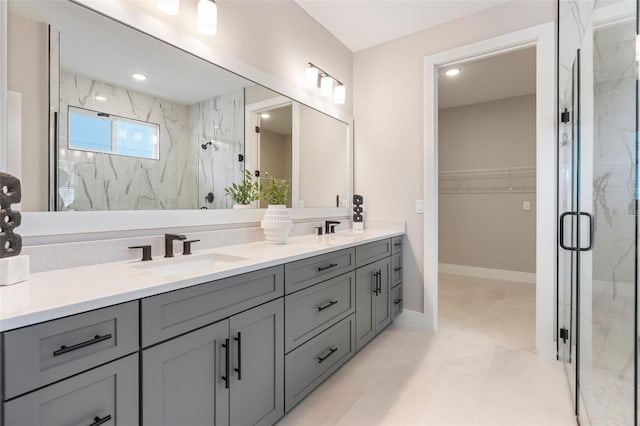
(240, 350)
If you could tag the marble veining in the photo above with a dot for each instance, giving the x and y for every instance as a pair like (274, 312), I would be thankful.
(218, 125)
(185, 172)
(99, 181)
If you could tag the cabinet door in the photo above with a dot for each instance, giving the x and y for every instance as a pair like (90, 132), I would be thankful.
(105, 395)
(183, 379)
(382, 300)
(365, 293)
(257, 387)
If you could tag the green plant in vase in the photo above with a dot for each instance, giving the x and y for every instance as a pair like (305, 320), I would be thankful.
(276, 223)
(275, 191)
(245, 192)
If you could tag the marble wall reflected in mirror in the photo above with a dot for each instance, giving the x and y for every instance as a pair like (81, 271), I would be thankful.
(138, 124)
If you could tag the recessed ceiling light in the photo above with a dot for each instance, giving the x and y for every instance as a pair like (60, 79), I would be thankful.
(138, 76)
(452, 72)
(265, 115)
(99, 98)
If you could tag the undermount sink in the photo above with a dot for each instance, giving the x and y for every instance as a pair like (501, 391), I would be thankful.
(346, 237)
(185, 264)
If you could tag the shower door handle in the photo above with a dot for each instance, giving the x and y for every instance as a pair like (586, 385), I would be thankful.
(591, 232)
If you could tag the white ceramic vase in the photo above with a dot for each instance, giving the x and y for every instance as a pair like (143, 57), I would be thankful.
(241, 206)
(276, 224)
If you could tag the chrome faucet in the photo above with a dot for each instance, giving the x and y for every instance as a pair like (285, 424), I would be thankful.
(168, 243)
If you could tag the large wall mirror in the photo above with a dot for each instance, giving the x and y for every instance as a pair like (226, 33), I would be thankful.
(114, 119)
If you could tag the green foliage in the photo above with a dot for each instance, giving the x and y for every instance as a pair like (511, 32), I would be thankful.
(275, 191)
(244, 192)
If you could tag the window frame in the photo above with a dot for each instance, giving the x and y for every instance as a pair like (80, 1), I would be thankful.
(113, 119)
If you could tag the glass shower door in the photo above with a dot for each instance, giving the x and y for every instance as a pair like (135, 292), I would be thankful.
(597, 257)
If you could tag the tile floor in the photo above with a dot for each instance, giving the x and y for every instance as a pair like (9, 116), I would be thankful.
(478, 369)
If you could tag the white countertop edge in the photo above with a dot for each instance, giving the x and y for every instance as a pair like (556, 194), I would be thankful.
(55, 312)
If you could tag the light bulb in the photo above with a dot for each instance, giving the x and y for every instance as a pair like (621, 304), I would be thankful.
(138, 76)
(339, 94)
(452, 72)
(170, 7)
(326, 86)
(312, 76)
(207, 17)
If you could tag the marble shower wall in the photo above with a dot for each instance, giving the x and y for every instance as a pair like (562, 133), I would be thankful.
(220, 121)
(614, 155)
(96, 181)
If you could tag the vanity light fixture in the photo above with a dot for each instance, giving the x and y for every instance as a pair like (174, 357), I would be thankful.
(170, 7)
(326, 85)
(317, 77)
(207, 17)
(99, 98)
(138, 76)
(452, 72)
(312, 76)
(339, 94)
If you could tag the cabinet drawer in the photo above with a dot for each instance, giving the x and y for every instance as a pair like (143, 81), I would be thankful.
(44, 353)
(313, 362)
(108, 394)
(396, 244)
(177, 312)
(307, 272)
(396, 301)
(396, 269)
(315, 308)
(371, 252)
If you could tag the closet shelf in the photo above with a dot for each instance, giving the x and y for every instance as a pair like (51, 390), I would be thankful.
(504, 180)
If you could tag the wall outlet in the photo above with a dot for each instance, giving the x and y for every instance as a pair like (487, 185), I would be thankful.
(419, 206)
(526, 205)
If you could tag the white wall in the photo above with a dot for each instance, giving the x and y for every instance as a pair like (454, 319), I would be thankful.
(488, 230)
(388, 112)
(28, 74)
(276, 37)
(323, 154)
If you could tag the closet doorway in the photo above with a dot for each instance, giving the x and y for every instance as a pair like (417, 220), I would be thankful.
(487, 197)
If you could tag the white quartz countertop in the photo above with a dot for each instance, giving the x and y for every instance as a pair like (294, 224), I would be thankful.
(55, 294)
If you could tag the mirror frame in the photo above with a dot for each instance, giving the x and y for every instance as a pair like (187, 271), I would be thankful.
(45, 224)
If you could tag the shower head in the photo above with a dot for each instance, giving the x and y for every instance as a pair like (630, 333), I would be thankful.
(206, 145)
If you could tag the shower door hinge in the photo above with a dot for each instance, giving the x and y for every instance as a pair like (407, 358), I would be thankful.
(564, 334)
(565, 116)
(257, 129)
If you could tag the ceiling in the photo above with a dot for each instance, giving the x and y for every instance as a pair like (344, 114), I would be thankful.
(105, 50)
(360, 24)
(279, 121)
(497, 77)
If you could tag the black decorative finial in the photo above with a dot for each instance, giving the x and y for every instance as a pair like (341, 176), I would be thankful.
(10, 193)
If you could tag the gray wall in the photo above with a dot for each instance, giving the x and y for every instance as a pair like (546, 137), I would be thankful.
(389, 128)
(489, 230)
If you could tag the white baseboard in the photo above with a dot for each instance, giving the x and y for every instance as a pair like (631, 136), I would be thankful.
(497, 274)
(411, 319)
